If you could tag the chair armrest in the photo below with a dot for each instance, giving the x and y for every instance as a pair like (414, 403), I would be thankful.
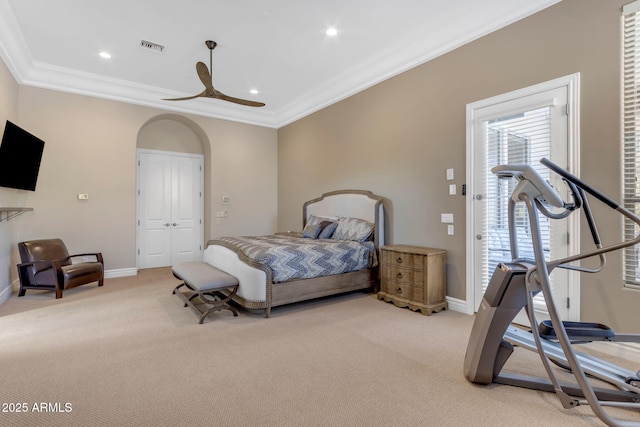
(97, 255)
(39, 265)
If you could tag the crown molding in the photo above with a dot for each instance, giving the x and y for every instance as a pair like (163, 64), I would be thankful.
(420, 48)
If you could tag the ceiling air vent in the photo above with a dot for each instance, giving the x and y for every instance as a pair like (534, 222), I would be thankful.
(153, 47)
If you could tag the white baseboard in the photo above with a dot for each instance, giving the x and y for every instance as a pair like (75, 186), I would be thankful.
(6, 293)
(120, 272)
(456, 304)
(108, 274)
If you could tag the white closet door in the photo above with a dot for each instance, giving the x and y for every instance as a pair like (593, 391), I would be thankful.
(154, 210)
(169, 209)
(185, 209)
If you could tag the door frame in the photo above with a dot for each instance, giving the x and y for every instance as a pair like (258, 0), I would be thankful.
(572, 83)
(169, 153)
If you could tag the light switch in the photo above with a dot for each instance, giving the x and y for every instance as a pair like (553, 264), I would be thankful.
(449, 174)
(452, 189)
(450, 229)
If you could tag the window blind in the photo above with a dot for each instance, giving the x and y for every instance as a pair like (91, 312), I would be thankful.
(631, 136)
(522, 138)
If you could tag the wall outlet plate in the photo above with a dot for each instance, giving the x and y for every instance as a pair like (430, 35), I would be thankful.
(446, 218)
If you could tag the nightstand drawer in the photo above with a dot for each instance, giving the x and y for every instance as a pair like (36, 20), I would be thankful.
(406, 291)
(400, 275)
(402, 259)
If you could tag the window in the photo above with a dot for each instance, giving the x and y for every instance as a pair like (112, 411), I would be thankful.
(631, 137)
(522, 138)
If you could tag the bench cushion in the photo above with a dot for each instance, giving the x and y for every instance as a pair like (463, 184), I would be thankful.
(203, 277)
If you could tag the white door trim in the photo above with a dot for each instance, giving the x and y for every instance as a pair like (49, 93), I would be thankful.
(572, 83)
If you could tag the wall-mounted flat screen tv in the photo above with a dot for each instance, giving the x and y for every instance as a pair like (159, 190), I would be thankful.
(20, 156)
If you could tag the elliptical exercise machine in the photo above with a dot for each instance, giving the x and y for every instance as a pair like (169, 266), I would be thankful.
(513, 286)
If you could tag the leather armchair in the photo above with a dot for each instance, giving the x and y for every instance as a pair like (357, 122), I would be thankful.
(46, 265)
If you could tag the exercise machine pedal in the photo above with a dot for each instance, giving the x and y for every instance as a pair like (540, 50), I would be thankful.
(578, 332)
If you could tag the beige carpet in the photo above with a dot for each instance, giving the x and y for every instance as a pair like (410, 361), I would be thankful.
(130, 354)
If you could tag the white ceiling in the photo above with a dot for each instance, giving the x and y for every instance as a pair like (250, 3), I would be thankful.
(276, 46)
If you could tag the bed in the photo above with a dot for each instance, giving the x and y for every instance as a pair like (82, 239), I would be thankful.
(263, 283)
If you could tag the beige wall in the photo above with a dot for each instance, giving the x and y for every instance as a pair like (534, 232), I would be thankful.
(8, 197)
(395, 139)
(398, 138)
(169, 135)
(90, 147)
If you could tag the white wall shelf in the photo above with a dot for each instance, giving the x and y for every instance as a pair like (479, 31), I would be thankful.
(8, 213)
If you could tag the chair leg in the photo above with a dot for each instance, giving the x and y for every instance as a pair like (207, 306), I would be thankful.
(101, 282)
(58, 293)
(21, 292)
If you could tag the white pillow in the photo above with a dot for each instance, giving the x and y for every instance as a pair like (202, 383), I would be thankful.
(317, 219)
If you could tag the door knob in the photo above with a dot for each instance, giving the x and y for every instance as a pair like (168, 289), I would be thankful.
(478, 196)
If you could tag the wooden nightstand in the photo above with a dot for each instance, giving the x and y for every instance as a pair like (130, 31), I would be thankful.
(413, 277)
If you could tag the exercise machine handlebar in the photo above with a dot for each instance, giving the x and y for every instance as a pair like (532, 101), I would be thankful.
(577, 181)
(528, 180)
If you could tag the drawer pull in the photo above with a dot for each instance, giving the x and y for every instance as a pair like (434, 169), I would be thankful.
(399, 290)
(399, 260)
(399, 275)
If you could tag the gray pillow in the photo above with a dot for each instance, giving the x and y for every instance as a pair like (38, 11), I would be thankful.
(328, 228)
(311, 231)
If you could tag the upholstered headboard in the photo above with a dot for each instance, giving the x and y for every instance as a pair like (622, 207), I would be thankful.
(352, 204)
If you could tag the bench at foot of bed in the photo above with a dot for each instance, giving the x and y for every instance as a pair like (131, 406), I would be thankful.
(205, 282)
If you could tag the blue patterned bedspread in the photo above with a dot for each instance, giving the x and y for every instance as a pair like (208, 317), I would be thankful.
(299, 258)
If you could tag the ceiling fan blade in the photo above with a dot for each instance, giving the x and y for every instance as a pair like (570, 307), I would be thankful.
(224, 97)
(205, 76)
(207, 80)
(203, 93)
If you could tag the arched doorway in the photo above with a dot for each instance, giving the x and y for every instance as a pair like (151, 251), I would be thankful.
(171, 193)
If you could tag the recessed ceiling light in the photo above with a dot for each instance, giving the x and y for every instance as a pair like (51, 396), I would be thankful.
(331, 31)
(254, 91)
(105, 55)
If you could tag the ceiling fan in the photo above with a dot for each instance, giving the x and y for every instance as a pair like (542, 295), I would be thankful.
(207, 80)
